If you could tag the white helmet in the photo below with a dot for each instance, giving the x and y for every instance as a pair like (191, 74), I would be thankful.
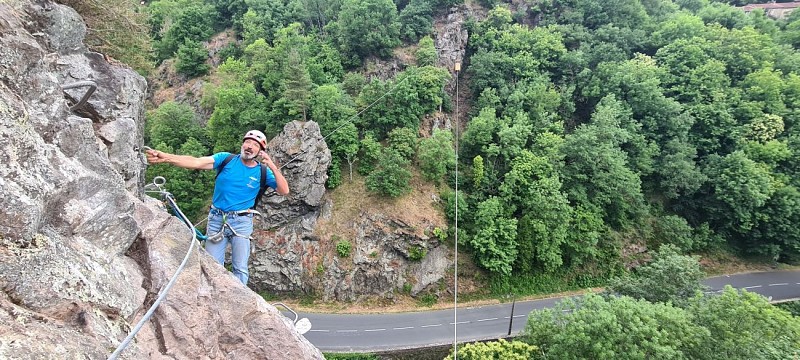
(258, 136)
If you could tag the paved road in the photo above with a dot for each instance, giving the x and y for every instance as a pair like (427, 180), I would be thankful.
(381, 332)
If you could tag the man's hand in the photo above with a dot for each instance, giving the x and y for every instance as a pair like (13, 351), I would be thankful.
(155, 156)
(283, 187)
(266, 159)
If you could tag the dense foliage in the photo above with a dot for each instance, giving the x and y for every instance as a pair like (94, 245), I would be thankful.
(500, 349)
(593, 125)
(732, 325)
(664, 122)
(668, 278)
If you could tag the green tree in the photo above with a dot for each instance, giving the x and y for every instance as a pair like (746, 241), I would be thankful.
(416, 20)
(172, 124)
(586, 231)
(371, 151)
(325, 62)
(330, 106)
(744, 325)
(494, 242)
(264, 18)
(230, 12)
(453, 202)
(253, 29)
(356, 27)
(344, 143)
(675, 230)
(426, 52)
(776, 233)
(238, 107)
(333, 109)
(500, 349)
(668, 278)
(678, 173)
(321, 12)
(403, 141)
(353, 83)
(192, 58)
(403, 101)
(737, 188)
(436, 155)
(507, 53)
(391, 176)
(480, 133)
(193, 22)
(477, 171)
(742, 50)
(297, 85)
(532, 191)
(595, 327)
(722, 14)
(596, 172)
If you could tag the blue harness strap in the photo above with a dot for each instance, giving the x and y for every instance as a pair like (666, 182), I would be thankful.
(197, 232)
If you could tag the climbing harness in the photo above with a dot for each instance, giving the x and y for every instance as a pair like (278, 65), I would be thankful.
(225, 225)
(157, 187)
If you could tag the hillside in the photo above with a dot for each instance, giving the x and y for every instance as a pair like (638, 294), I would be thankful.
(589, 135)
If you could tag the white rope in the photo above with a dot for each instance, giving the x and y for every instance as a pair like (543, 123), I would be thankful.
(455, 283)
(163, 293)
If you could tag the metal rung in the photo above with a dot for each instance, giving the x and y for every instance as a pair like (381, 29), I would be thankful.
(92, 87)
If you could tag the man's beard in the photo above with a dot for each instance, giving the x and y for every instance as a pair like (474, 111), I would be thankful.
(248, 154)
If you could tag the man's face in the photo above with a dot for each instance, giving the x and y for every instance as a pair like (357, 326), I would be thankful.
(250, 149)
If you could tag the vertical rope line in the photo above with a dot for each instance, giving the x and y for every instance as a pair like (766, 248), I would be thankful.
(162, 294)
(455, 285)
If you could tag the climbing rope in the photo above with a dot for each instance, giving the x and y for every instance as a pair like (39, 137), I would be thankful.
(455, 263)
(156, 187)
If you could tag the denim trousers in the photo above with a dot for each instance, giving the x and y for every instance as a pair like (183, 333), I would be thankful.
(240, 245)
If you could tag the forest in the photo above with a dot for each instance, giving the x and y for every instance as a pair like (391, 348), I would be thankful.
(601, 124)
(592, 125)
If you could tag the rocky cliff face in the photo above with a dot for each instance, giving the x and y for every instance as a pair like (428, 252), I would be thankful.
(83, 254)
(290, 256)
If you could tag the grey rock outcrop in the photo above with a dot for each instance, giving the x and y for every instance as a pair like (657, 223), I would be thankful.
(82, 254)
(284, 239)
(289, 256)
(387, 254)
(451, 38)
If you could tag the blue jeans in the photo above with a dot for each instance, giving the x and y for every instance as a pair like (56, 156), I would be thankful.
(240, 245)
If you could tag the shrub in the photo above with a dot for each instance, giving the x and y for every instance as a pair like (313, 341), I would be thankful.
(417, 253)
(192, 58)
(343, 248)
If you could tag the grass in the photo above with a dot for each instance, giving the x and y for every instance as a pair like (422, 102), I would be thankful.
(350, 356)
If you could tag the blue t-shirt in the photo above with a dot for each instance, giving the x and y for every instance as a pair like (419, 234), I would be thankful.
(237, 185)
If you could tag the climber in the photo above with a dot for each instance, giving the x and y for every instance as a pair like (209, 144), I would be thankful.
(240, 182)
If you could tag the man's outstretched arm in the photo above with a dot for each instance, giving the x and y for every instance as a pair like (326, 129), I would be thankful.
(183, 161)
